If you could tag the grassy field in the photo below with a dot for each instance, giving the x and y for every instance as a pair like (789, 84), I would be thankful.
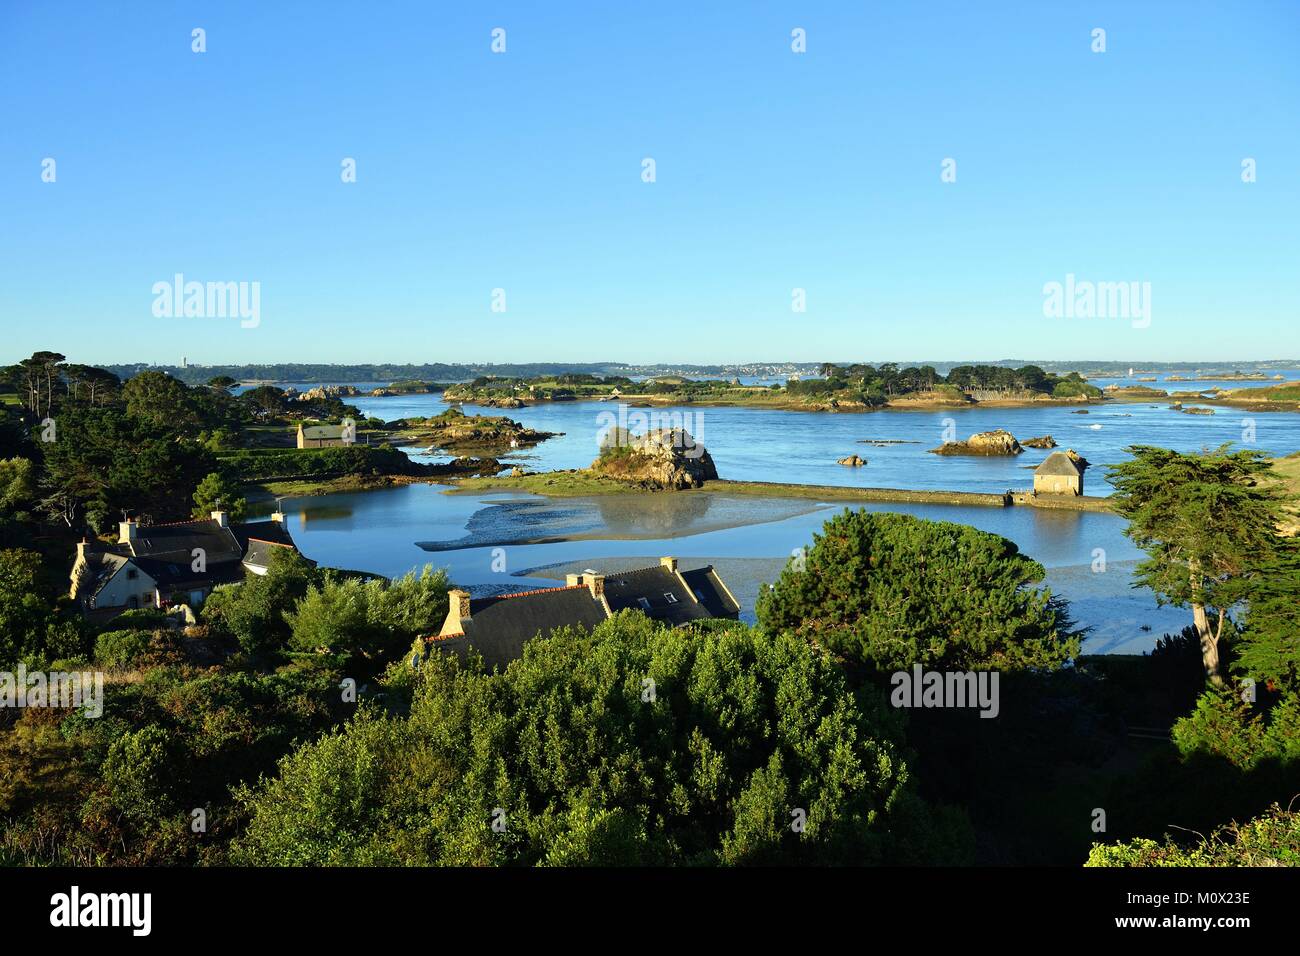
(304, 488)
(557, 484)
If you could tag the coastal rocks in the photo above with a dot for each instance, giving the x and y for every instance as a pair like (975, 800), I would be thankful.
(664, 458)
(1197, 411)
(997, 442)
(464, 467)
(454, 431)
(382, 393)
(322, 392)
(852, 460)
(1134, 391)
(1047, 441)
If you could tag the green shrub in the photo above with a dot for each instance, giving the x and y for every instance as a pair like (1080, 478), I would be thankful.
(1271, 839)
(119, 649)
(140, 619)
(741, 730)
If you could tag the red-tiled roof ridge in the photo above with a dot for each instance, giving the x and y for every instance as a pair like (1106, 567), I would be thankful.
(430, 638)
(172, 524)
(566, 587)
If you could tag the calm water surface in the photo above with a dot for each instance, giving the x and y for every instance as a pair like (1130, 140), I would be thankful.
(393, 531)
(764, 445)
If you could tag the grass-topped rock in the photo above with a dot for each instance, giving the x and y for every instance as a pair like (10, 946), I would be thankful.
(457, 433)
(661, 458)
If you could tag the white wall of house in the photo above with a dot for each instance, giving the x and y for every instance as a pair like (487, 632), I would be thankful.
(121, 587)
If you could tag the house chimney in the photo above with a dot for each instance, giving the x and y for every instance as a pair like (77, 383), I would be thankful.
(126, 531)
(596, 582)
(669, 563)
(221, 518)
(459, 601)
(572, 580)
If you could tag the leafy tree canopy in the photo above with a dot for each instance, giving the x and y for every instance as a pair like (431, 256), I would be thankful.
(887, 591)
(630, 745)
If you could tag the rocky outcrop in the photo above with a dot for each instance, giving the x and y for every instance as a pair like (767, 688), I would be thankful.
(852, 460)
(1047, 441)
(464, 467)
(982, 443)
(454, 431)
(321, 392)
(664, 458)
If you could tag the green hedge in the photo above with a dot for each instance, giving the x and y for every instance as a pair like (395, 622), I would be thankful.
(264, 464)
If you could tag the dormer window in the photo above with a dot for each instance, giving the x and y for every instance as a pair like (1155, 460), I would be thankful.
(670, 598)
(644, 602)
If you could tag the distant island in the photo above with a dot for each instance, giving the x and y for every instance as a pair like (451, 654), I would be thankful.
(455, 372)
(837, 388)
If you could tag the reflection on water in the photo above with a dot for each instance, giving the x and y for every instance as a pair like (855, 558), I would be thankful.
(514, 520)
(394, 530)
(764, 445)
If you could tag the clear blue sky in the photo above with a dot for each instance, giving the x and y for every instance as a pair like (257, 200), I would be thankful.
(775, 170)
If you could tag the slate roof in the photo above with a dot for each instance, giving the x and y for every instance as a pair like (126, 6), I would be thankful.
(668, 599)
(178, 541)
(180, 575)
(272, 531)
(165, 553)
(1061, 463)
(498, 627)
(713, 594)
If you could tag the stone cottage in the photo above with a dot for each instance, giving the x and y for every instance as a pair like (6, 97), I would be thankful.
(1061, 473)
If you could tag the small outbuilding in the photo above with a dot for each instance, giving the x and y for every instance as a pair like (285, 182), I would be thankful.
(323, 436)
(1061, 473)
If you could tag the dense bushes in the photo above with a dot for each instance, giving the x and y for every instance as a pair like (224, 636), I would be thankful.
(634, 744)
(265, 464)
(172, 742)
(253, 611)
(369, 618)
(114, 649)
(296, 607)
(32, 629)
